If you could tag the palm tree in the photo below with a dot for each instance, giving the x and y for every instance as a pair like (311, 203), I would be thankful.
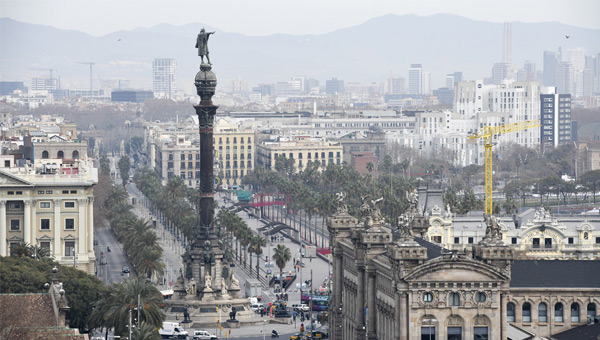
(22, 249)
(145, 332)
(258, 243)
(244, 237)
(112, 311)
(282, 256)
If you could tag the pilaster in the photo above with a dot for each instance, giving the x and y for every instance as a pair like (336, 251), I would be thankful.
(57, 251)
(27, 221)
(3, 243)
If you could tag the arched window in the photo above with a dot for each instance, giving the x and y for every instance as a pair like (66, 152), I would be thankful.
(558, 312)
(591, 310)
(526, 312)
(454, 299)
(75, 154)
(543, 312)
(44, 154)
(60, 154)
(510, 312)
(575, 312)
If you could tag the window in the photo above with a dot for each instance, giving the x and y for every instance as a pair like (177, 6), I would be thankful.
(70, 248)
(44, 154)
(575, 312)
(456, 240)
(427, 297)
(591, 310)
(15, 225)
(44, 205)
(480, 333)
(14, 205)
(535, 243)
(428, 333)
(73, 191)
(454, 299)
(547, 243)
(597, 240)
(480, 297)
(454, 333)
(470, 240)
(513, 240)
(558, 312)
(45, 245)
(190, 157)
(437, 239)
(60, 154)
(570, 240)
(65, 192)
(75, 154)
(585, 235)
(542, 312)
(45, 224)
(70, 223)
(70, 204)
(510, 312)
(526, 312)
(48, 192)
(40, 192)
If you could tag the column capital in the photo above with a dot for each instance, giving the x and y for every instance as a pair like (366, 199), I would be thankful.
(34, 202)
(82, 200)
(27, 203)
(91, 199)
(57, 201)
(2, 204)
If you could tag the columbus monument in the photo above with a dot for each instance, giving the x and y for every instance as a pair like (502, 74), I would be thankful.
(206, 286)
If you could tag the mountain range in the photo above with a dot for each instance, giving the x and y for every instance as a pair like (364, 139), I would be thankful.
(373, 51)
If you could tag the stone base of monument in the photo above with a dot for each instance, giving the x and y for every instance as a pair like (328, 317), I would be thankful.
(232, 323)
(205, 313)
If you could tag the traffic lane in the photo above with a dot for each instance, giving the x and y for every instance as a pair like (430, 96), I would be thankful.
(111, 272)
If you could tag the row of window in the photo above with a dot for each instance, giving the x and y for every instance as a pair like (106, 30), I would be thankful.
(69, 247)
(15, 225)
(543, 312)
(454, 333)
(249, 140)
(454, 298)
(308, 155)
(42, 205)
(60, 154)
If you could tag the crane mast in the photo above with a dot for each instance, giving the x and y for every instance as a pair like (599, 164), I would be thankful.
(487, 133)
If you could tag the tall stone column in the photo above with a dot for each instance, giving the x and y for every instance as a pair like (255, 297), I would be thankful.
(372, 305)
(27, 222)
(503, 328)
(360, 303)
(57, 252)
(3, 227)
(337, 295)
(90, 224)
(34, 223)
(403, 316)
(82, 230)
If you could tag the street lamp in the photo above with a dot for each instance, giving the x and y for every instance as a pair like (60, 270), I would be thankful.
(264, 334)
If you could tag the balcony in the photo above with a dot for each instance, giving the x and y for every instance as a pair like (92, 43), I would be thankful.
(542, 248)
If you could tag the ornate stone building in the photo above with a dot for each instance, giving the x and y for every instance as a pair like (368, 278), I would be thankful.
(391, 285)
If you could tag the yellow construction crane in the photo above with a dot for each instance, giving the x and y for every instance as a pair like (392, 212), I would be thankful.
(488, 133)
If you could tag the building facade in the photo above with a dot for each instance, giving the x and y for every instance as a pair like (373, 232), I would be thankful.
(50, 207)
(164, 78)
(391, 285)
(302, 150)
(555, 119)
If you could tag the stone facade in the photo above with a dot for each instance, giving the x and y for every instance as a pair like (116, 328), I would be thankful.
(405, 288)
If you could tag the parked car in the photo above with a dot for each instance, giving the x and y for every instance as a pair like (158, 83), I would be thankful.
(319, 335)
(103, 261)
(204, 335)
(301, 307)
(125, 269)
(296, 336)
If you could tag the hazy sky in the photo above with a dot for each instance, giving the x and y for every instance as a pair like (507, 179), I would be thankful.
(264, 17)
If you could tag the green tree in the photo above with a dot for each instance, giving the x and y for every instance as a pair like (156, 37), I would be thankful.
(591, 180)
(145, 332)
(27, 275)
(282, 255)
(124, 167)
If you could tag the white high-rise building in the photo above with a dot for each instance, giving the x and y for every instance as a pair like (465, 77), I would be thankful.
(44, 84)
(426, 82)
(415, 79)
(164, 81)
(564, 77)
(469, 97)
(577, 58)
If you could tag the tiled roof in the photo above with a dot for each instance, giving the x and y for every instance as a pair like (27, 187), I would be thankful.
(555, 273)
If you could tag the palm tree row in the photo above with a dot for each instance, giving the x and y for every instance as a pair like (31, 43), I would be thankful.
(111, 312)
(246, 241)
(177, 204)
(140, 242)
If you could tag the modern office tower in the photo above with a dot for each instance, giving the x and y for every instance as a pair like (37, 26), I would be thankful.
(415, 79)
(396, 85)
(334, 86)
(587, 82)
(556, 119)
(507, 56)
(310, 84)
(44, 84)
(577, 58)
(550, 60)
(530, 70)
(453, 78)
(164, 83)
(426, 83)
(500, 72)
(563, 77)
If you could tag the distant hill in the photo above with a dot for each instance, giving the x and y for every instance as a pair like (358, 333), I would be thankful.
(368, 52)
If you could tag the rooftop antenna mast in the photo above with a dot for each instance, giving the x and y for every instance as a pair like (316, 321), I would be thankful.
(91, 79)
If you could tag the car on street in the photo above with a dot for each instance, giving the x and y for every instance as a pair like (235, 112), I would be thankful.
(301, 307)
(125, 269)
(103, 261)
(319, 335)
(296, 336)
(204, 335)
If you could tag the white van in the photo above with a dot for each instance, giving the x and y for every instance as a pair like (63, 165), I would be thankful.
(256, 307)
